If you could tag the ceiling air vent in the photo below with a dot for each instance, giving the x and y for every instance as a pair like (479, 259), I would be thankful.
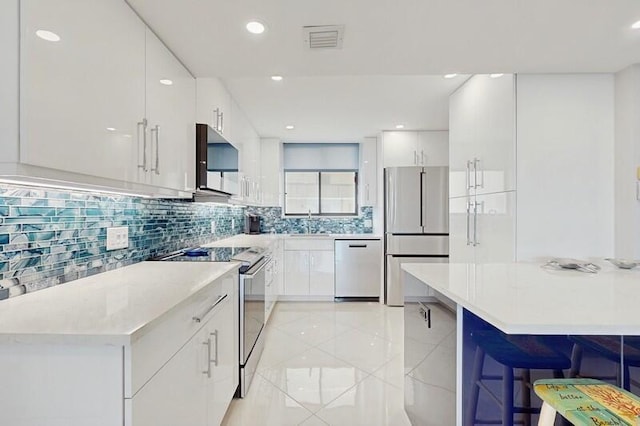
(323, 36)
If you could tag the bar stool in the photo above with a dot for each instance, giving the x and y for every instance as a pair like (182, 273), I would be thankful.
(586, 401)
(608, 347)
(511, 352)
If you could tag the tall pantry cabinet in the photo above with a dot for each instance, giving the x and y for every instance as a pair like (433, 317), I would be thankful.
(531, 167)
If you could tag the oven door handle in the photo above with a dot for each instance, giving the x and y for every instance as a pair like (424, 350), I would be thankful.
(257, 271)
(199, 318)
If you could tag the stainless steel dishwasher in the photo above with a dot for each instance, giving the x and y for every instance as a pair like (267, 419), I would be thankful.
(358, 269)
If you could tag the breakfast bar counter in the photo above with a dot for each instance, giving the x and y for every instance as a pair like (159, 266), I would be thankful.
(522, 321)
(526, 298)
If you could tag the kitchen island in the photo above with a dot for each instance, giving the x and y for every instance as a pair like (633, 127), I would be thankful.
(583, 324)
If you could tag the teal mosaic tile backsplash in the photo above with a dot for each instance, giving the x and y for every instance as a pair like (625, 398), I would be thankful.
(48, 237)
(272, 221)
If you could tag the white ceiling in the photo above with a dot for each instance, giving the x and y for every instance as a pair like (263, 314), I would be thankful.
(324, 92)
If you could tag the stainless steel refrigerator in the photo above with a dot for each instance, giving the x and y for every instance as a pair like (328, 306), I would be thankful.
(416, 222)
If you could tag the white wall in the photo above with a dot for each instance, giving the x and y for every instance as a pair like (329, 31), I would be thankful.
(627, 159)
(565, 169)
(9, 36)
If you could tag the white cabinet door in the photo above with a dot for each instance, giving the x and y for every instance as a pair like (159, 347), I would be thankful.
(270, 171)
(296, 272)
(368, 172)
(496, 133)
(321, 273)
(496, 227)
(224, 334)
(212, 96)
(82, 96)
(399, 149)
(170, 111)
(433, 148)
(176, 395)
(460, 230)
(462, 129)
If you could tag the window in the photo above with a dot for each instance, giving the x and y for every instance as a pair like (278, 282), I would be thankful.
(321, 179)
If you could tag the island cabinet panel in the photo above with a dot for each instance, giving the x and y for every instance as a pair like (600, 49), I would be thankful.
(72, 385)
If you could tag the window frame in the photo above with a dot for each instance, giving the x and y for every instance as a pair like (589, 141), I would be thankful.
(319, 172)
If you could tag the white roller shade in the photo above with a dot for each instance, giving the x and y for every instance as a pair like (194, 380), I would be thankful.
(321, 156)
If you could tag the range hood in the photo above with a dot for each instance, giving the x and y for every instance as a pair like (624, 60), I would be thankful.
(216, 166)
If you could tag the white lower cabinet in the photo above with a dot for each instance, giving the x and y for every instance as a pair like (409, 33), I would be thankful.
(321, 273)
(197, 384)
(273, 278)
(223, 335)
(177, 394)
(296, 272)
(309, 267)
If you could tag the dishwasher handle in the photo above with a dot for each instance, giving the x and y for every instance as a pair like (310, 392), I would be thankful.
(357, 246)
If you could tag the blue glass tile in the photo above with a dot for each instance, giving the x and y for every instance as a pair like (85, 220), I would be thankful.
(4, 210)
(4, 266)
(4, 238)
(25, 220)
(32, 211)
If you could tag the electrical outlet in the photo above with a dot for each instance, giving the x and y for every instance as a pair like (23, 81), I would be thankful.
(117, 238)
(233, 223)
(368, 223)
(213, 226)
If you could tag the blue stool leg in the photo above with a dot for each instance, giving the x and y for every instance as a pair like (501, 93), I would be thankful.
(507, 396)
(576, 360)
(478, 364)
(526, 394)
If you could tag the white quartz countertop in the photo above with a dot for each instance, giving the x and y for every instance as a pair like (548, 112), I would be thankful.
(524, 298)
(264, 240)
(113, 307)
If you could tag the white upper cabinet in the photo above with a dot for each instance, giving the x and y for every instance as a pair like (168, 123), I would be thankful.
(83, 96)
(482, 119)
(271, 170)
(368, 172)
(170, 112)
(399, 149)
(412, 148)
(433, 148)
(92, 109)
(247, 141)
(213, 105)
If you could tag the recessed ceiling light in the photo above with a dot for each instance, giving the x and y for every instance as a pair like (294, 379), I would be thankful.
(255, 27)
(498, 75)
(636, 25)
(111, 129)
(289, 127)
(48, 35)
(276, 77)
(450, 75)
(399, 126)
(166, 82)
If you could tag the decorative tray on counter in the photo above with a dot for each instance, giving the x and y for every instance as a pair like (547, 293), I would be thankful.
(624, 263)
(578, 265)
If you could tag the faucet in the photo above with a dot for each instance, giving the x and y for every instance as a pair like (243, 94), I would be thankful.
(309, 222)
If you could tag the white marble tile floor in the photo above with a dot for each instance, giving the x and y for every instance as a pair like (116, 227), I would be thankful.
(328, 364)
